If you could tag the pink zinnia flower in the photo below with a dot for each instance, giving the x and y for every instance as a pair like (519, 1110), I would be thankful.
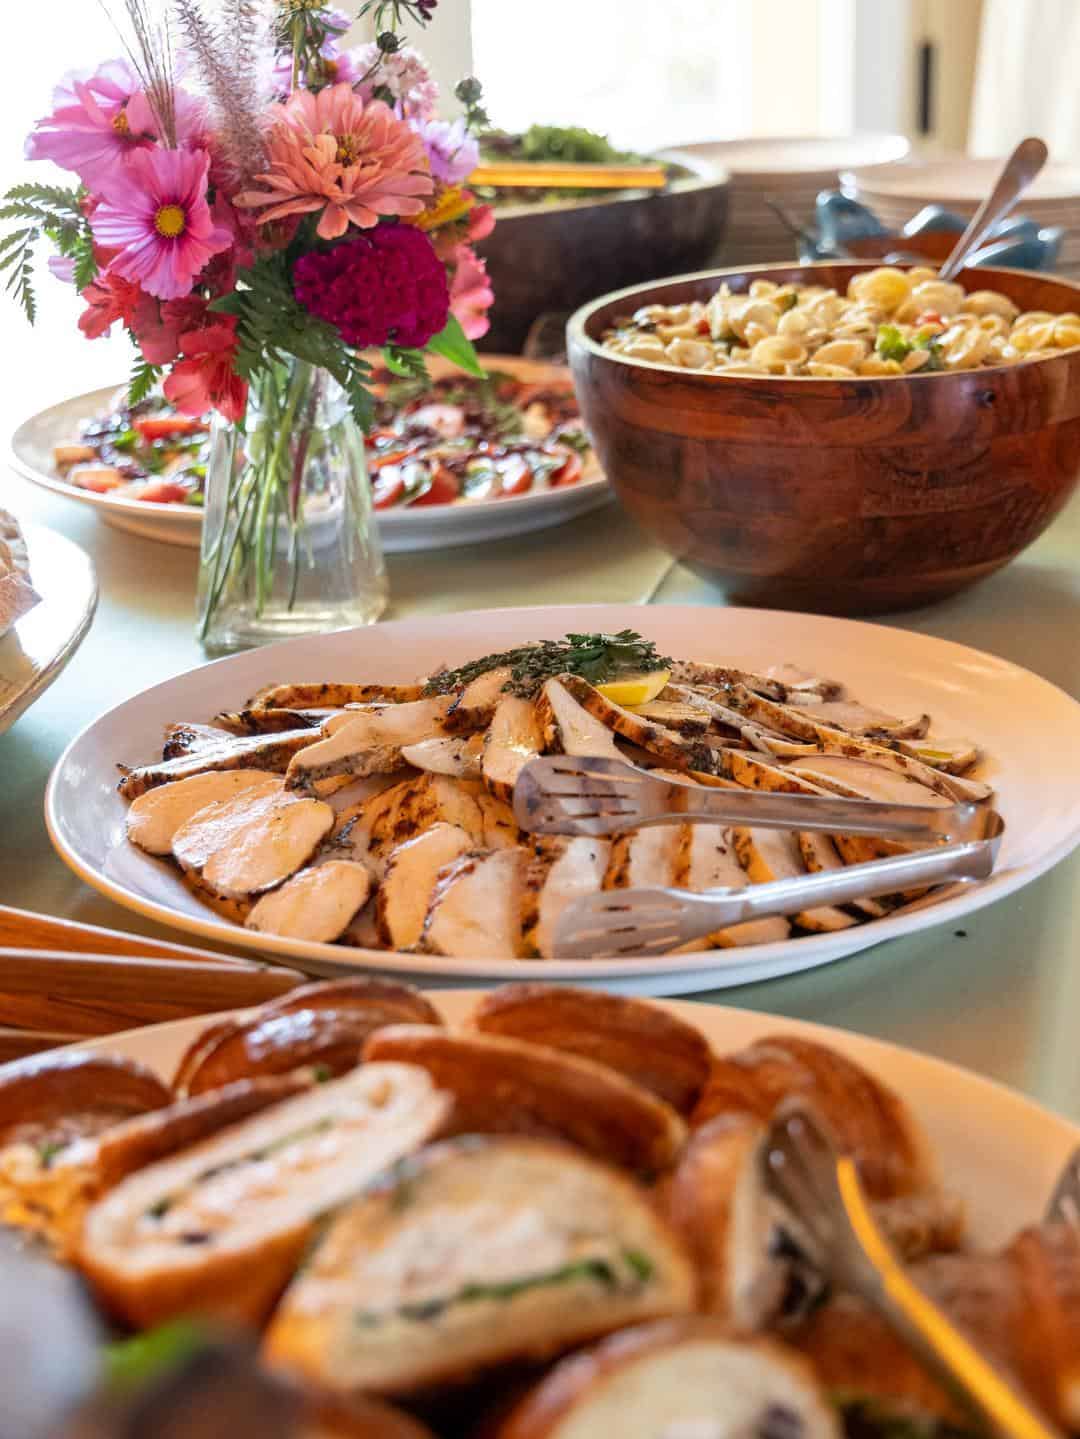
(380, 287)
(108, 298)
(205, 378)
(154, 213)
(332, 153)
(99, 118)
(471, 295)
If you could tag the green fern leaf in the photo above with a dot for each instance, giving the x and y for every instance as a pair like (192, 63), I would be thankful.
(144, 376)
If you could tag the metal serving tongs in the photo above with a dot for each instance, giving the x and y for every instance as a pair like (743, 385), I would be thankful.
(821, 1190)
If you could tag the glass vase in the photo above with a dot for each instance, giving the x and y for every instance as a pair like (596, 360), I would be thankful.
(290, 545)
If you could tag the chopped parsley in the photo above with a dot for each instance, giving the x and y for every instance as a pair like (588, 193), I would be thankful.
(131, 1363)
(891, 344)
(598, 658)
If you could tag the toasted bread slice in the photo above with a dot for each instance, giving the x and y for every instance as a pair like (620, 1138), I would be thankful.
(508, 1086)
(383, 1001)
(867, 1118)
(48, 1194)
(49, 1099)
(663, 1054)
(219, 1228)
(684, 1378)
(331, 1040)
(477, 1252)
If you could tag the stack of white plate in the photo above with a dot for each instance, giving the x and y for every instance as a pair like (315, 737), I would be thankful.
(897, 192)
(789, 172)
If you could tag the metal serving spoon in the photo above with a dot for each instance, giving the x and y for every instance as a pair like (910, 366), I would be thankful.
(1016, 175)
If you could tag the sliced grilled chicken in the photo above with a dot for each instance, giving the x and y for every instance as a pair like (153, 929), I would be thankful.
(769, 854)
(482, 1252)
(750, 771)
(220, 1228)
(363, 931)
(368, 741)
(860, 719)
(408, 809)
(331, 695)
(188, 739)
(820, 854)
(315, 904)
(706, 859)
(726, 721)
(220, 823)
(473, 707)
(269, 721)
(675, 750)
(457, 755)
(840, 743)
(514, 737)
(558, 872)
(500, 827)
(269, 752)
(403, 897)
(645, 1044)
(570, 728)
(475, 909)
(351, 797)
(952, 756)
(684, 717)
(275, 846)
(642, 858)
(677, 1379)
(782, 684)
(154, 818)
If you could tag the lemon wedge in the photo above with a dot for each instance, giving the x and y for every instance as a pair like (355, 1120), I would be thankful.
(637, 689)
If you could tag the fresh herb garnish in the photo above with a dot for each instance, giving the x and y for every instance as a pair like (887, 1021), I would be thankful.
(891, 344)
(131, 1363)
(48, 1151)
(598, 658)
(866, 1416)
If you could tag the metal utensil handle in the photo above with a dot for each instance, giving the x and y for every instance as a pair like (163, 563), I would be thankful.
(858, 881)
(1016, 175)
(928, 1331)
(832, 814)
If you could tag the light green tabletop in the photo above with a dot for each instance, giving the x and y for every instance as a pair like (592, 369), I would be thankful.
(1000, 995)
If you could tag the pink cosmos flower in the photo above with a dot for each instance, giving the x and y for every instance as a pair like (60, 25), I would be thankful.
(332, 153)
(452, 152)
(471, 295)
(205, 378)
(99, 118)
(154, 213)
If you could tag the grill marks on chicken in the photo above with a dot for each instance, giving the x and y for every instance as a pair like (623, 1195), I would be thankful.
(419, 849)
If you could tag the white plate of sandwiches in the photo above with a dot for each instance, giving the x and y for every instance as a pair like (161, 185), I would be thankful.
(543, 1207)
(454, 461)
(48, 594)
(382, 837)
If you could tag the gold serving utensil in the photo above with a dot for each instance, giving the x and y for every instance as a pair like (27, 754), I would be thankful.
(568, 175)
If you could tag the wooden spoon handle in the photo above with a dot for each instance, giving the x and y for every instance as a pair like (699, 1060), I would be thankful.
(23, 929)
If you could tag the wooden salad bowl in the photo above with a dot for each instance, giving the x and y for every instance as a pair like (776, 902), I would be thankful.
(838, 496)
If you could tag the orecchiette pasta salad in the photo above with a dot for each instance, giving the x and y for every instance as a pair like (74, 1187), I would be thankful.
(890, 322)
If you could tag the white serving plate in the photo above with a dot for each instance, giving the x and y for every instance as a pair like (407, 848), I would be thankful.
(427, 528)
(795, 159)
(38, 646)
(999, 1151)
(961, 179)
(1023, 723)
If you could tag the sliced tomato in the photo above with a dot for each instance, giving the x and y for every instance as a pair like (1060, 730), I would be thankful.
(164, 492)
(570, 471)
(391, 457)
(515, 475)
(930, 317)
(98, 478)
(442, 491)
(167, 427)
(388, 488)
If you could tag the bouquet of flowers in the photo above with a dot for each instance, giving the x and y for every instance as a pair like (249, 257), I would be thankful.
(256, 205)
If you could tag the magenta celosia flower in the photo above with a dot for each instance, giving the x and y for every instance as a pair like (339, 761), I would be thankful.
(101, 117)
(414, 94)
(471, 295)
(386, 286)
(154, 214)
(452, 152)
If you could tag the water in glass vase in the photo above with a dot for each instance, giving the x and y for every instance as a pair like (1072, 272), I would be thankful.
(290, 544)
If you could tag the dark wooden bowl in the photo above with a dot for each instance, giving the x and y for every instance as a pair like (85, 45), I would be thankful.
(552, 258)
(839, 496)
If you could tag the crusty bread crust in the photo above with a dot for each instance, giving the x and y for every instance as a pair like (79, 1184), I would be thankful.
(278, 1043)
(507, 1086)
(386, 1001)
(642, 1042)
(73, 1094)
(866, 1118)
(581, 1376)
(362, 1418)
